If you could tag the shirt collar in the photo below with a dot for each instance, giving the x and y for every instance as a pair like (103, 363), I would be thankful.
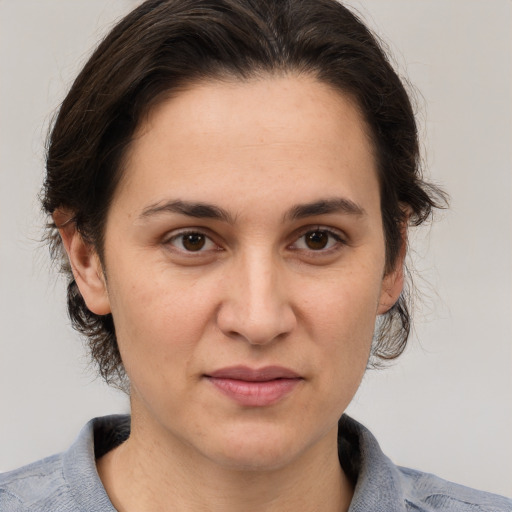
(378, 485)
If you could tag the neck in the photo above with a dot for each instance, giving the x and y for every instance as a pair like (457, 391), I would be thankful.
(144, 474)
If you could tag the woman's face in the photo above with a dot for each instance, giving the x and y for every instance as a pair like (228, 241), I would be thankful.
(244, 261)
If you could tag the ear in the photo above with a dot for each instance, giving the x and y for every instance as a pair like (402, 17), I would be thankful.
(85, 264)
(392, 286)
(393, 282)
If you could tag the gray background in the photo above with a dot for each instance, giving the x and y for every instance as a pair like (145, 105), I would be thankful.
(446, 406)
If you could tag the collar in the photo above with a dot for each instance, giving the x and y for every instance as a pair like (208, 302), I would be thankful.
(377, 480)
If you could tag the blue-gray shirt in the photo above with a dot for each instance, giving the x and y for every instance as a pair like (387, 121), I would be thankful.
(69, 481)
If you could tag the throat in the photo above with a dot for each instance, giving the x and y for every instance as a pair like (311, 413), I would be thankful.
(139, 482)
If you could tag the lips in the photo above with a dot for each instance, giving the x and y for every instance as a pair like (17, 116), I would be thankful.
(254, 375)
(254, 387)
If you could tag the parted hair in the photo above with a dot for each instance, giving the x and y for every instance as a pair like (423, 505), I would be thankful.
(163, 46)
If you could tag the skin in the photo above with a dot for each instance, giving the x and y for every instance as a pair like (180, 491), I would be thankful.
(256, 294)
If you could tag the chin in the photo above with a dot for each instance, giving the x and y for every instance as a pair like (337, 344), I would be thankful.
(258, 447)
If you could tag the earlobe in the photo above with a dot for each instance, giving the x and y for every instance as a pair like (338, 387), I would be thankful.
(85, 264)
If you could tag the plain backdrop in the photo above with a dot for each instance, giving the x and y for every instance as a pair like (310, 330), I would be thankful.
(446, 405)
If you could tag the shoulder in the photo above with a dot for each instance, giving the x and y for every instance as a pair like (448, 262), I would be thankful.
(68, 481)
(382, 486)
(426, 492)
(33, 487)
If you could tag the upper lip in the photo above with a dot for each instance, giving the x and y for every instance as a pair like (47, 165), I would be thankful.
(254, 374)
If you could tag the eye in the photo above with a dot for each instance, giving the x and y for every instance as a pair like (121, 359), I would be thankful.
(192, 241)
(318, 240)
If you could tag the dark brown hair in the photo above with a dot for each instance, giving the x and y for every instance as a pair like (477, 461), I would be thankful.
(164, 45)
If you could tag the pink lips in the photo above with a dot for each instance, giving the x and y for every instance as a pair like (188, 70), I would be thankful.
(255, 387)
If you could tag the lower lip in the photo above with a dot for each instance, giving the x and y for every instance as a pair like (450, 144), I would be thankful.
(255, 394)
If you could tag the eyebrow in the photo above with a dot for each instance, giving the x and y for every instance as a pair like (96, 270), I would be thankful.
(324, 207)
(201, 210)
(197, 210)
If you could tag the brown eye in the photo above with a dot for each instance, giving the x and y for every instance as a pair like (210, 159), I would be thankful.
(193, 241)
(316, 240)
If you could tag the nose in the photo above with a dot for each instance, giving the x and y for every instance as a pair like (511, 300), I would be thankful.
(256, 306)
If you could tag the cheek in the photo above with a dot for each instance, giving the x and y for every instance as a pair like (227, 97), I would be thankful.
(346, 303)
(158, 324)
(342, 323)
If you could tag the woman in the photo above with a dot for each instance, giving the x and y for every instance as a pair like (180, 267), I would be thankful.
(232, 183)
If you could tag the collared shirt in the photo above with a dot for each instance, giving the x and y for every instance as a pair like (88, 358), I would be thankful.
(69, 482)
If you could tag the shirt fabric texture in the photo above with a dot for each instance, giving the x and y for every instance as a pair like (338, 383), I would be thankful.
(69, 482)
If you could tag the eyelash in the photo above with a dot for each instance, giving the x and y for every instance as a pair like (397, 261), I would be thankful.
(181, 236)
(332, 234)
(334, 241)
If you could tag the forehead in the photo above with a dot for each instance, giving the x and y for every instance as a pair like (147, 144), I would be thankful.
(268, 135)
(255, 111)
